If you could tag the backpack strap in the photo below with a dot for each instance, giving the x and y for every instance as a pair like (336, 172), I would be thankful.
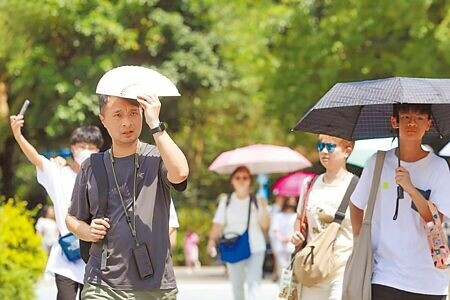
(101, 178)
(252, 199)
(228, 200)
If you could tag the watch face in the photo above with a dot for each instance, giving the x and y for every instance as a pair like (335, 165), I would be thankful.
(161, 127)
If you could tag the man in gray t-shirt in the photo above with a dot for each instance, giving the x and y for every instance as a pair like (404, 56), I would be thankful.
(134, 231)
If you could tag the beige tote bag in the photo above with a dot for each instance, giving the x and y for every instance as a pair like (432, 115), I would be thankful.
(358, 271)
(315, 261)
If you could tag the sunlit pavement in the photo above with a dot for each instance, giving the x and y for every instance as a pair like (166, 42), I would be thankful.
(206, 283)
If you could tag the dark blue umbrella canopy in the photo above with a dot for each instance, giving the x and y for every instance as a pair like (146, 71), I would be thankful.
(362, 110)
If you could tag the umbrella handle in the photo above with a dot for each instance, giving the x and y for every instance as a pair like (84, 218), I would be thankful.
(400, 194)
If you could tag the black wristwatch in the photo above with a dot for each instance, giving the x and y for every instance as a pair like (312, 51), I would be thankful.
(160, 128)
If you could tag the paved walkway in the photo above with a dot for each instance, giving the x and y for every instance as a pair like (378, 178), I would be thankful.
(206, 283)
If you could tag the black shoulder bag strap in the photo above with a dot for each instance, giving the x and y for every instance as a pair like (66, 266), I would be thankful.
(340, 213)
(101, 178)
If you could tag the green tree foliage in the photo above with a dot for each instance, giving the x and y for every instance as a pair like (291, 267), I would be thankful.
(318, 43)
(209, 48)
(247, 70)
(22, 258)
(54, 52)
(199, 220)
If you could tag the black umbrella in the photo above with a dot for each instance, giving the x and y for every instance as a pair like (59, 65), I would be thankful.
(361, 110)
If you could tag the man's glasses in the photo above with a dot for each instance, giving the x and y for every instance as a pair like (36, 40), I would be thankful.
(329, 146)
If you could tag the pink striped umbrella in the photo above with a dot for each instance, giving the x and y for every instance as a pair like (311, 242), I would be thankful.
(291, 184)
(260, 159)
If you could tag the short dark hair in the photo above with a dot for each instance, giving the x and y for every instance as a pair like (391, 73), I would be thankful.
(102, 101)
(245, 169)
(87, 134)
(410, 107)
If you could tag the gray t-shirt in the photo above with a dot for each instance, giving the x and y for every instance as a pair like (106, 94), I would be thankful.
(152, 220)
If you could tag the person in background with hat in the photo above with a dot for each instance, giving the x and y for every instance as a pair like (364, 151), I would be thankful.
(58, 180)
(133, 236)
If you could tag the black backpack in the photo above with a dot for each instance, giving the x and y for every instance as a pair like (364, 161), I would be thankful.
(101, 178)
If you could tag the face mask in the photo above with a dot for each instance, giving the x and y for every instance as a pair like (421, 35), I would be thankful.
(81, 156)
(290, 207)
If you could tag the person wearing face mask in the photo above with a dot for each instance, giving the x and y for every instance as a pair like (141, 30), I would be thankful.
(232, 216)
(58, 180)
(325, 196)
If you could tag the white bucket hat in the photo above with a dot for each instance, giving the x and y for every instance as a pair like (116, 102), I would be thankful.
(131, 81)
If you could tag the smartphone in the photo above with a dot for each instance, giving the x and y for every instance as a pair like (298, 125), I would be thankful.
(143, 262)
(24, 107)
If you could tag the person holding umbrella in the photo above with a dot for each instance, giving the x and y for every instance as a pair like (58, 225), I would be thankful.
(323, 198)
(403, 267)
(238, 213)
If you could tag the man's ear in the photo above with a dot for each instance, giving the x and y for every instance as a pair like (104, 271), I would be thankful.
(348, 151)
(430, 123)
(102, 119)
(394, 122)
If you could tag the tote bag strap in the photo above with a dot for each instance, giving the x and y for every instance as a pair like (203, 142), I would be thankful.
(375, 185)
(302, 216)
(340, 213)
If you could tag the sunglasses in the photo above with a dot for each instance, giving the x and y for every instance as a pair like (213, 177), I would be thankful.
(241, 178)
(329, 146)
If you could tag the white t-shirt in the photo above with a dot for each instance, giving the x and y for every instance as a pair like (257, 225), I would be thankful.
(401, 254)
(236, 220)
(325, 198)
(173, 217)
(49, 231)
(282, 224)
(59, 182)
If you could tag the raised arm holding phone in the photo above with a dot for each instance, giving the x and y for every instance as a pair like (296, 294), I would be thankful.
(58, 180)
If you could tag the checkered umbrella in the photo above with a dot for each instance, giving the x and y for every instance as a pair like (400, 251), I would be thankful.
(361, 110)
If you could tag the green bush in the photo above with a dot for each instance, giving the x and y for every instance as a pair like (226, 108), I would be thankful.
(200, 220)
(22, 258)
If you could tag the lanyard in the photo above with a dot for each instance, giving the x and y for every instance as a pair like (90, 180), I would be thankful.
(131, 225)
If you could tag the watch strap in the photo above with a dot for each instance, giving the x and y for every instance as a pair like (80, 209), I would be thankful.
(160, 128)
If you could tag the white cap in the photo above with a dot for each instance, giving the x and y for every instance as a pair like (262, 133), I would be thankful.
(132, 81)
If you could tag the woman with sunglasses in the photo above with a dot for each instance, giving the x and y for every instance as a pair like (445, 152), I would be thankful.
(233, 217)
(325, 196)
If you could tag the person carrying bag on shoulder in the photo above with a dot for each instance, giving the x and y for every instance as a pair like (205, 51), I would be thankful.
(402, 264)
(238, 230)
(325, 197)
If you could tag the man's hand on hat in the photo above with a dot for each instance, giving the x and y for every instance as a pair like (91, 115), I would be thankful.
(152, 107)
